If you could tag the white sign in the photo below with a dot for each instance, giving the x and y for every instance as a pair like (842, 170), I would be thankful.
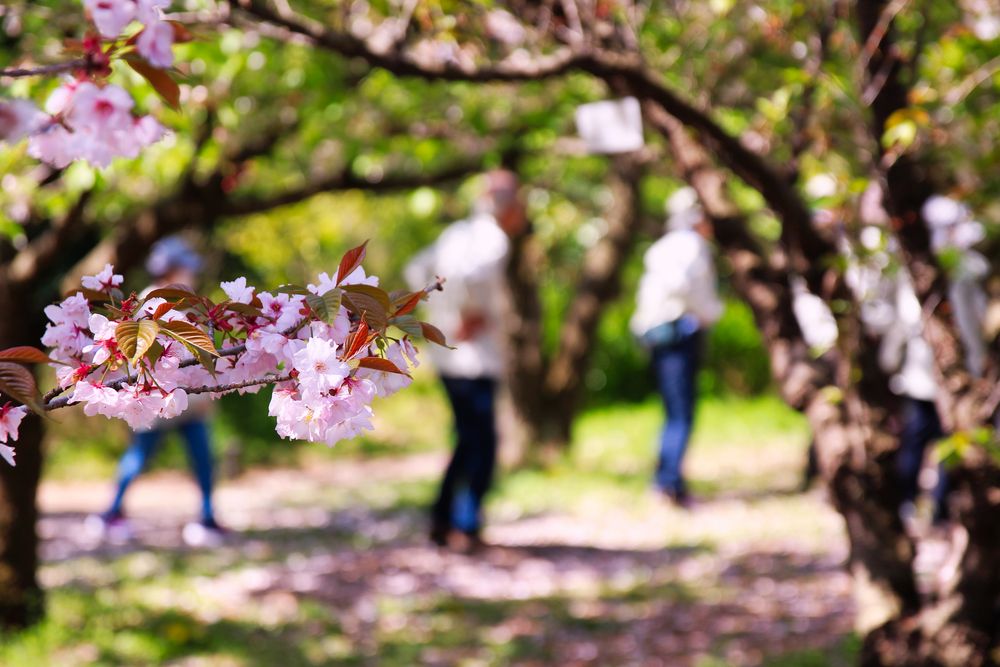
(612, 126)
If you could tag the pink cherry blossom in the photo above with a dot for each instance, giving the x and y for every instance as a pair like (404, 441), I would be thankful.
(54, 145)
(111, 16)
(104, 281)
(10, 421)
(319, 368)
(18, 119)
(155, 42)
(149, 11)
(238, 290)
(105, 344)
(69, 331)
(96, 125)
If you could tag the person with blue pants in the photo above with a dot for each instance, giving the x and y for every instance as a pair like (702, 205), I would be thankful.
(471, 256)
(141, 451)
(172, 261)
(470, 471)
(676, 368)
(676, 303)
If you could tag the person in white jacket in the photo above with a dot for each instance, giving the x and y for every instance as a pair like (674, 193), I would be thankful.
(677, 302)
(907, 353)
(470, 255)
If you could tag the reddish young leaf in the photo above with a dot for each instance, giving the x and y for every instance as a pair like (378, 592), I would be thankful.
(159, 79)
(181, 32)
(368, 303)
(173, 291)
(351, 261)
(434, 335)
(162, 309)
(17, 382)
(380, 364)
(357, 340)
(24, 354)
(408, 304)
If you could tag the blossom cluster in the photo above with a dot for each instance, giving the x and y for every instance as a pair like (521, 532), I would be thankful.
(87, 118)
(10, 421)
(326, 348)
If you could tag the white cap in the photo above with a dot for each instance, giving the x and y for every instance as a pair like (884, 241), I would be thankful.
(951, 224)
(941, 211)
(683, 210)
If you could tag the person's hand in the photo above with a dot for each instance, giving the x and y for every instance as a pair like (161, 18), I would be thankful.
(471, 326)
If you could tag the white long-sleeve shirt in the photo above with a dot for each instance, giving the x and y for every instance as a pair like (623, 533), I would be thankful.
(679, 279)
(470, 255)
(904, 347)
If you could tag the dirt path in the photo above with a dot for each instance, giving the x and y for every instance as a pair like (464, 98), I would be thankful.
(736, 579)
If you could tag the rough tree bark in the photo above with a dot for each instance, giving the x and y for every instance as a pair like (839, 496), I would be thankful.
(853, 439)
(21, 597)
(963, 627)
(546, 389)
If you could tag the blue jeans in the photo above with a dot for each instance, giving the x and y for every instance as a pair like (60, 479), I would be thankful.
(921, 427)
(470, 471)
(144, 445)
(676, 369)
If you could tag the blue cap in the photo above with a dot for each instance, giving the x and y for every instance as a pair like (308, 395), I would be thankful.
(172, 253)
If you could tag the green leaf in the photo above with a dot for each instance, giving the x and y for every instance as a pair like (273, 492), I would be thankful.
(17, 382)
(408, 324)
(155, 352)
(293, 289)
(190, 336)
(244, 309)
(136, 337)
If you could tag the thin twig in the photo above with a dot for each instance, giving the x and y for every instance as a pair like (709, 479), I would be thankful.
(45, 70)
(238, 385)
(973, 81)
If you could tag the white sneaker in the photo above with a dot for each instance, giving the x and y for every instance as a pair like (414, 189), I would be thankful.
(203, 534)
(111, 528)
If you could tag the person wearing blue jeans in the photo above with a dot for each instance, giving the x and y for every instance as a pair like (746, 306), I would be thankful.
(471, 256)
(142, 449)
(172, 261)
(921, 427)
(676, 303)
(470, 471)
(676, 368)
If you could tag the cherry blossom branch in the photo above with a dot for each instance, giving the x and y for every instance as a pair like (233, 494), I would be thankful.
(50, 402)
(237, 385)
(117, 384)
(46, 70)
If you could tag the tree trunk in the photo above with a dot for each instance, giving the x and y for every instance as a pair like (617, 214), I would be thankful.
(546, 390)
(848, 417)
(21, 598)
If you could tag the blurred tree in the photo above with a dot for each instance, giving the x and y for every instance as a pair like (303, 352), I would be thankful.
(778, 93)
(252, 139)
